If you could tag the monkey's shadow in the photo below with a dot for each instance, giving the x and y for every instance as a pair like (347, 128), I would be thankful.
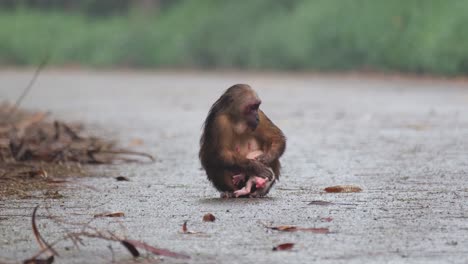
(218, 200)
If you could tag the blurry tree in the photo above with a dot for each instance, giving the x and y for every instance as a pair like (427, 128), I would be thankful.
(90, 7)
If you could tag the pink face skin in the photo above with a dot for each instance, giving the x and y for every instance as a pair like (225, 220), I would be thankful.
(251, 114)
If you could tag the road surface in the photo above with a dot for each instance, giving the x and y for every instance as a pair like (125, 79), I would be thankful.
(404, 142)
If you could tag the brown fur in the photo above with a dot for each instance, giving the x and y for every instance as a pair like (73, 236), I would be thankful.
(217, 143)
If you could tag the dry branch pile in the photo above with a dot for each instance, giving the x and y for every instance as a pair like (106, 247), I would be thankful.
(32, 148)
(86, 230)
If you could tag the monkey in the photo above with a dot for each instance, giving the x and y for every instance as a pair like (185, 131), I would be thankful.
(234, 127)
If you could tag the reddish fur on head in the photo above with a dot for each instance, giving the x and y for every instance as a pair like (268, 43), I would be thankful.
(251, 113)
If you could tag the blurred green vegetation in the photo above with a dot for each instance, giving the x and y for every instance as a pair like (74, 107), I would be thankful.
(420, 36)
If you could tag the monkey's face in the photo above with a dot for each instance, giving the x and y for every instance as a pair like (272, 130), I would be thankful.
(251, 113)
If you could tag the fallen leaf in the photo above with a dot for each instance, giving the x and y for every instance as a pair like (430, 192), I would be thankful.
(48, 260)
(286, 228)
(343, 189)
(319, 230)
(154, 250)
(121, 178)
(209, 218)
(38, 173)
(131, 248)
(188, 232)
(285, 246)
(326, 219)
(320, 203)
(114, 214)
(289, 228)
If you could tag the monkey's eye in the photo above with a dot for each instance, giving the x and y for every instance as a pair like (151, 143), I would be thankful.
(254, 106)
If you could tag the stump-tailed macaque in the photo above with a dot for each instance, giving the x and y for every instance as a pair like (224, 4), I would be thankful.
(240, 147)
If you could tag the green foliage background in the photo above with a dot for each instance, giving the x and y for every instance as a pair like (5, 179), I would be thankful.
(421, 36)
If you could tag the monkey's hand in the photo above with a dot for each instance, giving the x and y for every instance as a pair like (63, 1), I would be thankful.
(261, 170)
(264, 159)
(237, 179)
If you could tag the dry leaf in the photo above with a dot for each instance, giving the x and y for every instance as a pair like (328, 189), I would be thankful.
(286, 228)
(188, 232)
(326, 219)
(121, 178)
(154, 250)
(319, 230)
(114, 214)
(131, 248)
(38, 173)
(285, 246)
(289, 228)
(320, 203)
(343, 189)
(48, 260)
(209, 218)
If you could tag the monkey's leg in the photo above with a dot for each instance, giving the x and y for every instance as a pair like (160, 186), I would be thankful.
(246, 190)
(238, 178)
(265, 172)
(227, 194)
(226, 185)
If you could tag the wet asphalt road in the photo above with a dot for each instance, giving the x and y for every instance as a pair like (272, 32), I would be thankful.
(405, 142)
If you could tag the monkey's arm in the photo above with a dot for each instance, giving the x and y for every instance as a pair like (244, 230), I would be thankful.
(230, 158)
(273, 138)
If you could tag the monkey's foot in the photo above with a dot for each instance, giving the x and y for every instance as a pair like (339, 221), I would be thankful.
(239, 178)
(241, 192)
(226, 195)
